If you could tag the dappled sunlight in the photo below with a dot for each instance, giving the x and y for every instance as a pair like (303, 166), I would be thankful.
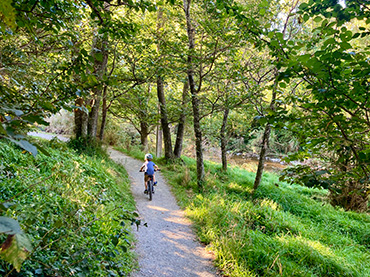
(234, 187)
(112, 172)
(270, 203)
(313, 244)
(177, 217)
(157, 208)
(175, 235)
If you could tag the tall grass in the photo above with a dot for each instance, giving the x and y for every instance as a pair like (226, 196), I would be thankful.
(284, 230)
(75, 209)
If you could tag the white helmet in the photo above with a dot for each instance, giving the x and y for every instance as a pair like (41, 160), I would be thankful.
(148, 156)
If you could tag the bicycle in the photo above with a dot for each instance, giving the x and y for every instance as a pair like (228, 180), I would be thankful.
(150, 185)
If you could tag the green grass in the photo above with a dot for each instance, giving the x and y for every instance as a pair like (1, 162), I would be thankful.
(75, 209)
(284, 230)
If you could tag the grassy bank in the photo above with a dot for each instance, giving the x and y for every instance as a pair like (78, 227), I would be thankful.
(285, 230)
(74, 209)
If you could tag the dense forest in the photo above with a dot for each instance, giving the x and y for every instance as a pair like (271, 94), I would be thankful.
(284, 79)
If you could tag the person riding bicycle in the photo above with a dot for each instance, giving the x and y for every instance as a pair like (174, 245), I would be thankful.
(149, 168)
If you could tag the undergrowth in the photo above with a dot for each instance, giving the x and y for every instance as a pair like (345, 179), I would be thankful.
(284, 230)
(75, 209)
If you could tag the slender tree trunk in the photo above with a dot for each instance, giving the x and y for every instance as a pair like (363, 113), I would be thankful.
(265, 144)
(262, 157)
(104, 114)
(223, 139)
(80, 114)
(144, 132)
(99, 53)
(194, 97)
(159, 141)
(168, 153)
(80, 118)
(181, 125)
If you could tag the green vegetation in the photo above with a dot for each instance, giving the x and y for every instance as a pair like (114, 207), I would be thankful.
(285, 230)
(75, 210)
(280, 77)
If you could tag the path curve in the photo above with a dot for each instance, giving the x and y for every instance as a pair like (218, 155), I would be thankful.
(168, 246)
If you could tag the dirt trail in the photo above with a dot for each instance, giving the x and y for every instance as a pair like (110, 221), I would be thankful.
(168, 246)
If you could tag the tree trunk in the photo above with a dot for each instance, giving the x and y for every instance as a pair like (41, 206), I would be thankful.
(104, 114)
(100, 54)
(159, 141)
(194, 97)
(168, 153)
(265, 144)
(223, 139)
(80, 118)
(144, 132)
(181, 125)
(261, 161)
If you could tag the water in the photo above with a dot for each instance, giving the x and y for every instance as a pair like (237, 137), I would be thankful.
(248, 163)
(252, 163)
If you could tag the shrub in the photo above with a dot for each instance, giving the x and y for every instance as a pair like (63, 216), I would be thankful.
(75, 209)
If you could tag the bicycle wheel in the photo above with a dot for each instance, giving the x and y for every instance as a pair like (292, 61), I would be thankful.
(150, 189)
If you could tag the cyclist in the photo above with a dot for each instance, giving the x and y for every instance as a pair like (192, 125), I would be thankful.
(149, 168)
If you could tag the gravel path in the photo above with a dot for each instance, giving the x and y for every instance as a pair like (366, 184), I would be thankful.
(168, 246)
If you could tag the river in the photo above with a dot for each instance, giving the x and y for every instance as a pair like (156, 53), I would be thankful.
(248, 163)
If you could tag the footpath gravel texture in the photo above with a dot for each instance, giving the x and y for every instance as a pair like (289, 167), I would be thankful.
(167, 247)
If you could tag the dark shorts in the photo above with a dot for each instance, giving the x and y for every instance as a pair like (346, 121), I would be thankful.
(146, 177)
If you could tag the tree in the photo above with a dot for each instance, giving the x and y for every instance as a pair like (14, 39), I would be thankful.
(333, 110)
(36, 64)
(168, 152)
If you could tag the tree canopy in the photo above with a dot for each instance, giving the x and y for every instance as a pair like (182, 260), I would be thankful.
(221, 70)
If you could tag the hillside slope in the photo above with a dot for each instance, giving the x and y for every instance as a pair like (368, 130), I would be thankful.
(74, 209)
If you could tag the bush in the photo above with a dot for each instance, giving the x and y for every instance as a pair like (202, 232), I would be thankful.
(75, 209)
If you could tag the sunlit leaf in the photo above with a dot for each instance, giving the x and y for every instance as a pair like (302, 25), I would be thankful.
(15, 250)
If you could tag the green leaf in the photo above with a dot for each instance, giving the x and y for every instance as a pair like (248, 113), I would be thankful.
(9, 226)
(7, 14)
(4, 206)
(114, 241)
(99, 57)
(317, 19)
(303, 6)
(282, 85)
(15, 250)
(25, 145)
(42, 150)
(58, 223)
(362, 156)
(2, 130)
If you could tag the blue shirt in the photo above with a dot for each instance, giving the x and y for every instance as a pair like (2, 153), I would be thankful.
(149, 167)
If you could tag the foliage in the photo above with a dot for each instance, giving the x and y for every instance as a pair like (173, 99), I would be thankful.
(36, 65)
(332, 120)
(84, 145)
(16, 247)
(75, 210)
(285, 230)
(245, 137)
